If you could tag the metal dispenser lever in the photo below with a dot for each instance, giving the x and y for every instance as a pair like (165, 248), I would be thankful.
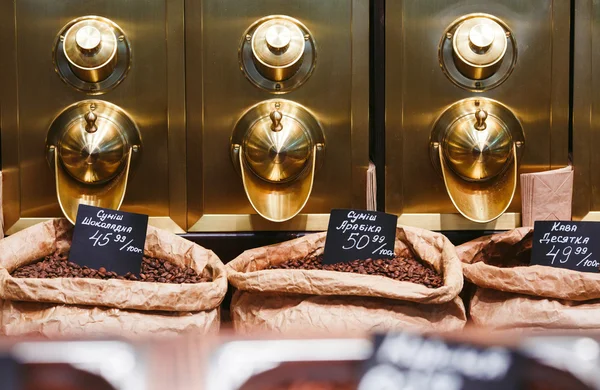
(480, 117)
(276, 118)
(90, 120)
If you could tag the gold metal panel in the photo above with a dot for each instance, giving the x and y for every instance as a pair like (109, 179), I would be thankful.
(417, 92)
(218, 94)
(586, 117)
(153, 94)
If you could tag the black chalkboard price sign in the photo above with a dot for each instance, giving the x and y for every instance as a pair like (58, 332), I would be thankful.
(407, 361)
(109, 238)
(566, 244)
(359, 235)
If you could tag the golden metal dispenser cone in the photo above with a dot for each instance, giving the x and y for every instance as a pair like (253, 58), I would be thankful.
(476, 145)
(91, 146)
(276, 147)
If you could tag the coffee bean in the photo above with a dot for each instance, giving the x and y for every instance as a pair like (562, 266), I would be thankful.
(152, 270)
(409, 269)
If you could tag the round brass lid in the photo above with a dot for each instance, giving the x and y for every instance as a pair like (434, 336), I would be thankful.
(90, 46)
(92, 149)
(277, 148)
(478, 147)
(478, 43)
(278, 48)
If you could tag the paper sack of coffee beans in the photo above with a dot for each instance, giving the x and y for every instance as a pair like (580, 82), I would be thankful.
(510, 293)
(286, 287)
(179, 288)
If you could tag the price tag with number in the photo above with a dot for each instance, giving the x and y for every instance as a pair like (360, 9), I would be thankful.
(567, 244)
(109, 238)
(359, 235)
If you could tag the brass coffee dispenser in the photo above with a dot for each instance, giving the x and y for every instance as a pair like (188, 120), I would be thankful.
(276, 155)
(94, 83)
(483, 85)
(586, 129)
(91, 154)
(277, 103)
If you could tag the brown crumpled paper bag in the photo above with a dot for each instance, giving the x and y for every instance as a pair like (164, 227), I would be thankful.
(546, 196)
(304, 300)
(526, 297)
(95, 304)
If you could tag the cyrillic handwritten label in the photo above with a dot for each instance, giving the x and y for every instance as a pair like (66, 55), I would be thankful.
(408, 361)
(359, 235)
(566, 244)
(109, 238)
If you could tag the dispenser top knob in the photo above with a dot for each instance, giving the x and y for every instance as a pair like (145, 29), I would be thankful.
(90, 47)
(479, 45)
(278, 38)
(481, 37)
(88, 39)
(278, 47)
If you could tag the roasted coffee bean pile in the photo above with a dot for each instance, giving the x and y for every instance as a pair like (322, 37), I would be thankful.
(504, 255)
(404, 269)
(152, 270)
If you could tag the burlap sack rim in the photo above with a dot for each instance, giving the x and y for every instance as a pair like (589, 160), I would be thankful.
(90, 292)
(320, 282)
(564, 283)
